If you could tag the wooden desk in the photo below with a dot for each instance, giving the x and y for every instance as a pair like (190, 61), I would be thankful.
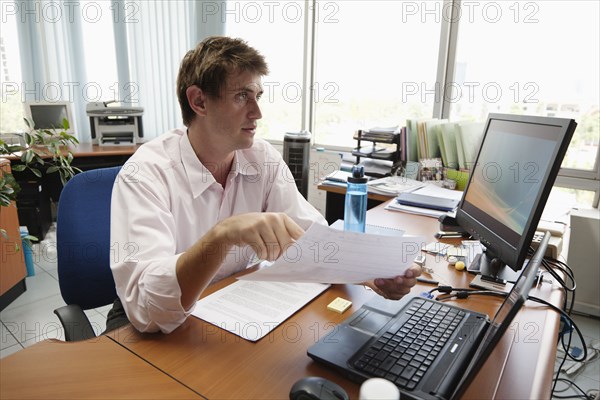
(218, 364)
(201, 359)
(334, 201)
(37, 194)
(97, 368)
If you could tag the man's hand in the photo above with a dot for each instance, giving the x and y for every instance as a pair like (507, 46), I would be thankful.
(269, 234)
(396, 288)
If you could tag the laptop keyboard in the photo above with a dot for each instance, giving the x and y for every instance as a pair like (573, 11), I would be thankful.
(404, 354)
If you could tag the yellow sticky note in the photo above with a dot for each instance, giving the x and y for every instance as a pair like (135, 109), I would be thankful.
(339, 305)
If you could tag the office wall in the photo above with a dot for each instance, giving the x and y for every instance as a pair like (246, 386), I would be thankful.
(584, 259)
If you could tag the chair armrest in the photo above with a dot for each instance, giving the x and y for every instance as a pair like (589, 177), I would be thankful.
(75, 323)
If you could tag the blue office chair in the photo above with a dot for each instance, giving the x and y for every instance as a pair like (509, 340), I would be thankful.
(83, 249)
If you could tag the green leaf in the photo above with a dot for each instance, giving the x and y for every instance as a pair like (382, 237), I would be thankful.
(4, 200)
(28, 139)
(36, 172)
(39, 160)
(27, 156)
(30, 237)
(7, 190)
(27, 123)
(18, 167)
(52, 169)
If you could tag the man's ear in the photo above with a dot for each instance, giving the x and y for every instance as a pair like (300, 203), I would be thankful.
(196, 99)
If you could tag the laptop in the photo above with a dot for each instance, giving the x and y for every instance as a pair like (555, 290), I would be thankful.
(433, 356)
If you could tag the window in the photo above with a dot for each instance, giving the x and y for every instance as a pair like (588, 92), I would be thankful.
(538, 58)
(99, 57)
(375, 65)
(372, 63)
(276, 30)
(11, 109)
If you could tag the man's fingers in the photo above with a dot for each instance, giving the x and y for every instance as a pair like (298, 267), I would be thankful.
(295, 231)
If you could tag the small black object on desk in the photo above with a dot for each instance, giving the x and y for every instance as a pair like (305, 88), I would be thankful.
(317, 388)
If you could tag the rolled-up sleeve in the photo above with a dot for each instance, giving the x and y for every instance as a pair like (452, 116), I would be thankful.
(143, 264)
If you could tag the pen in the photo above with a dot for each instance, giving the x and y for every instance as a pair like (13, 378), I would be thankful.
(425, 280)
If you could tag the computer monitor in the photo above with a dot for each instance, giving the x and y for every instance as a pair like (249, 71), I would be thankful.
(50, 115)
(515, 169)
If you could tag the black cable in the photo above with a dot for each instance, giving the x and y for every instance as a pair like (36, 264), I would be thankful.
(566, 350)
(568, 345)
(463, 294)
(550, 264)
(573, 396)
(569, 272)
(571, 322)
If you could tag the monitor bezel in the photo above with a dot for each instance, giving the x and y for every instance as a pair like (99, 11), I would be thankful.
(27, 107)
(485, 228)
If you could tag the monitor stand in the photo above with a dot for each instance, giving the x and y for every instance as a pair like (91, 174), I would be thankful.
(493, 270)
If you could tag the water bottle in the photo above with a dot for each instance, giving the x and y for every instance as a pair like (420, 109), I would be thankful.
(355, 209)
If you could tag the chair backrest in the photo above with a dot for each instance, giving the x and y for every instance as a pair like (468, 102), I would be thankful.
(83, 239)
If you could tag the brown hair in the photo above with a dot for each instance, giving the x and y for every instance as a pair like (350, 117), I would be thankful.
(208, 65)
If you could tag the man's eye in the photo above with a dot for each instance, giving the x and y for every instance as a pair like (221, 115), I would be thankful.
(258, 96)
(242, 96)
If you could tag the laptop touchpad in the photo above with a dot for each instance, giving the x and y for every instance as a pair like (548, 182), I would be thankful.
(369, 321)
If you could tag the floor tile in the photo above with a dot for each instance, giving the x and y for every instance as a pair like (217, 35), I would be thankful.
(589, 327)
(33, 319)
(54, 334)
(10, 350)
(40, 286)
(45, 256)
(104, 310)
(585, 383)
(6, 338)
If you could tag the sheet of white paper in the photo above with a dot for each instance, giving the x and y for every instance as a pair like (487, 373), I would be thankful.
(393, 206)
(436, 191)
(327, 255)
(253, 309)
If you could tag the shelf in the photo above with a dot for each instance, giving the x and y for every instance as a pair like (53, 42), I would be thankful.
(383, 139)
(387, 153)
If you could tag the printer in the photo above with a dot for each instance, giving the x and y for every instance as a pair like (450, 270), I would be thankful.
(115, 124)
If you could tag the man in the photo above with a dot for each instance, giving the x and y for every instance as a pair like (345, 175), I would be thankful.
(189, 207)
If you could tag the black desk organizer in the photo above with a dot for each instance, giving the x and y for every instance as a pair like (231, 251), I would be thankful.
(373, 152)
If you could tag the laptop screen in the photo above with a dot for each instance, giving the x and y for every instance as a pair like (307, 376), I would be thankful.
(506, 313)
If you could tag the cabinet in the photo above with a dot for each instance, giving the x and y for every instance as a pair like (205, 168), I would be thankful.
(12, 262)
(390, 151)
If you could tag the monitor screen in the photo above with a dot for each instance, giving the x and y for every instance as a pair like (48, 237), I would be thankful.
(509, 183)
(49, 115)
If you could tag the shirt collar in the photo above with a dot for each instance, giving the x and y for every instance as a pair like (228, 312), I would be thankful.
(200, 178)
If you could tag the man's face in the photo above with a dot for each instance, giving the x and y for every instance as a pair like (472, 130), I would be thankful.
(232, 118)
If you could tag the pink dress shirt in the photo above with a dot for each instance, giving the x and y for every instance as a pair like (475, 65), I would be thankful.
(164, 200)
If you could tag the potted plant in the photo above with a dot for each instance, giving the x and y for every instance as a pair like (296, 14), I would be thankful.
(39, 151)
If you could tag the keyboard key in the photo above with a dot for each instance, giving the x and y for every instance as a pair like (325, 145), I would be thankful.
(408, 372)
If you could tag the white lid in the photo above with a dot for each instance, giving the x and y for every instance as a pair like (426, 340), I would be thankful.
(378, 389)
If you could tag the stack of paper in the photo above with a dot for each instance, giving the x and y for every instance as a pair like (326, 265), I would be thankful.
(428, 191)
(393, 185)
